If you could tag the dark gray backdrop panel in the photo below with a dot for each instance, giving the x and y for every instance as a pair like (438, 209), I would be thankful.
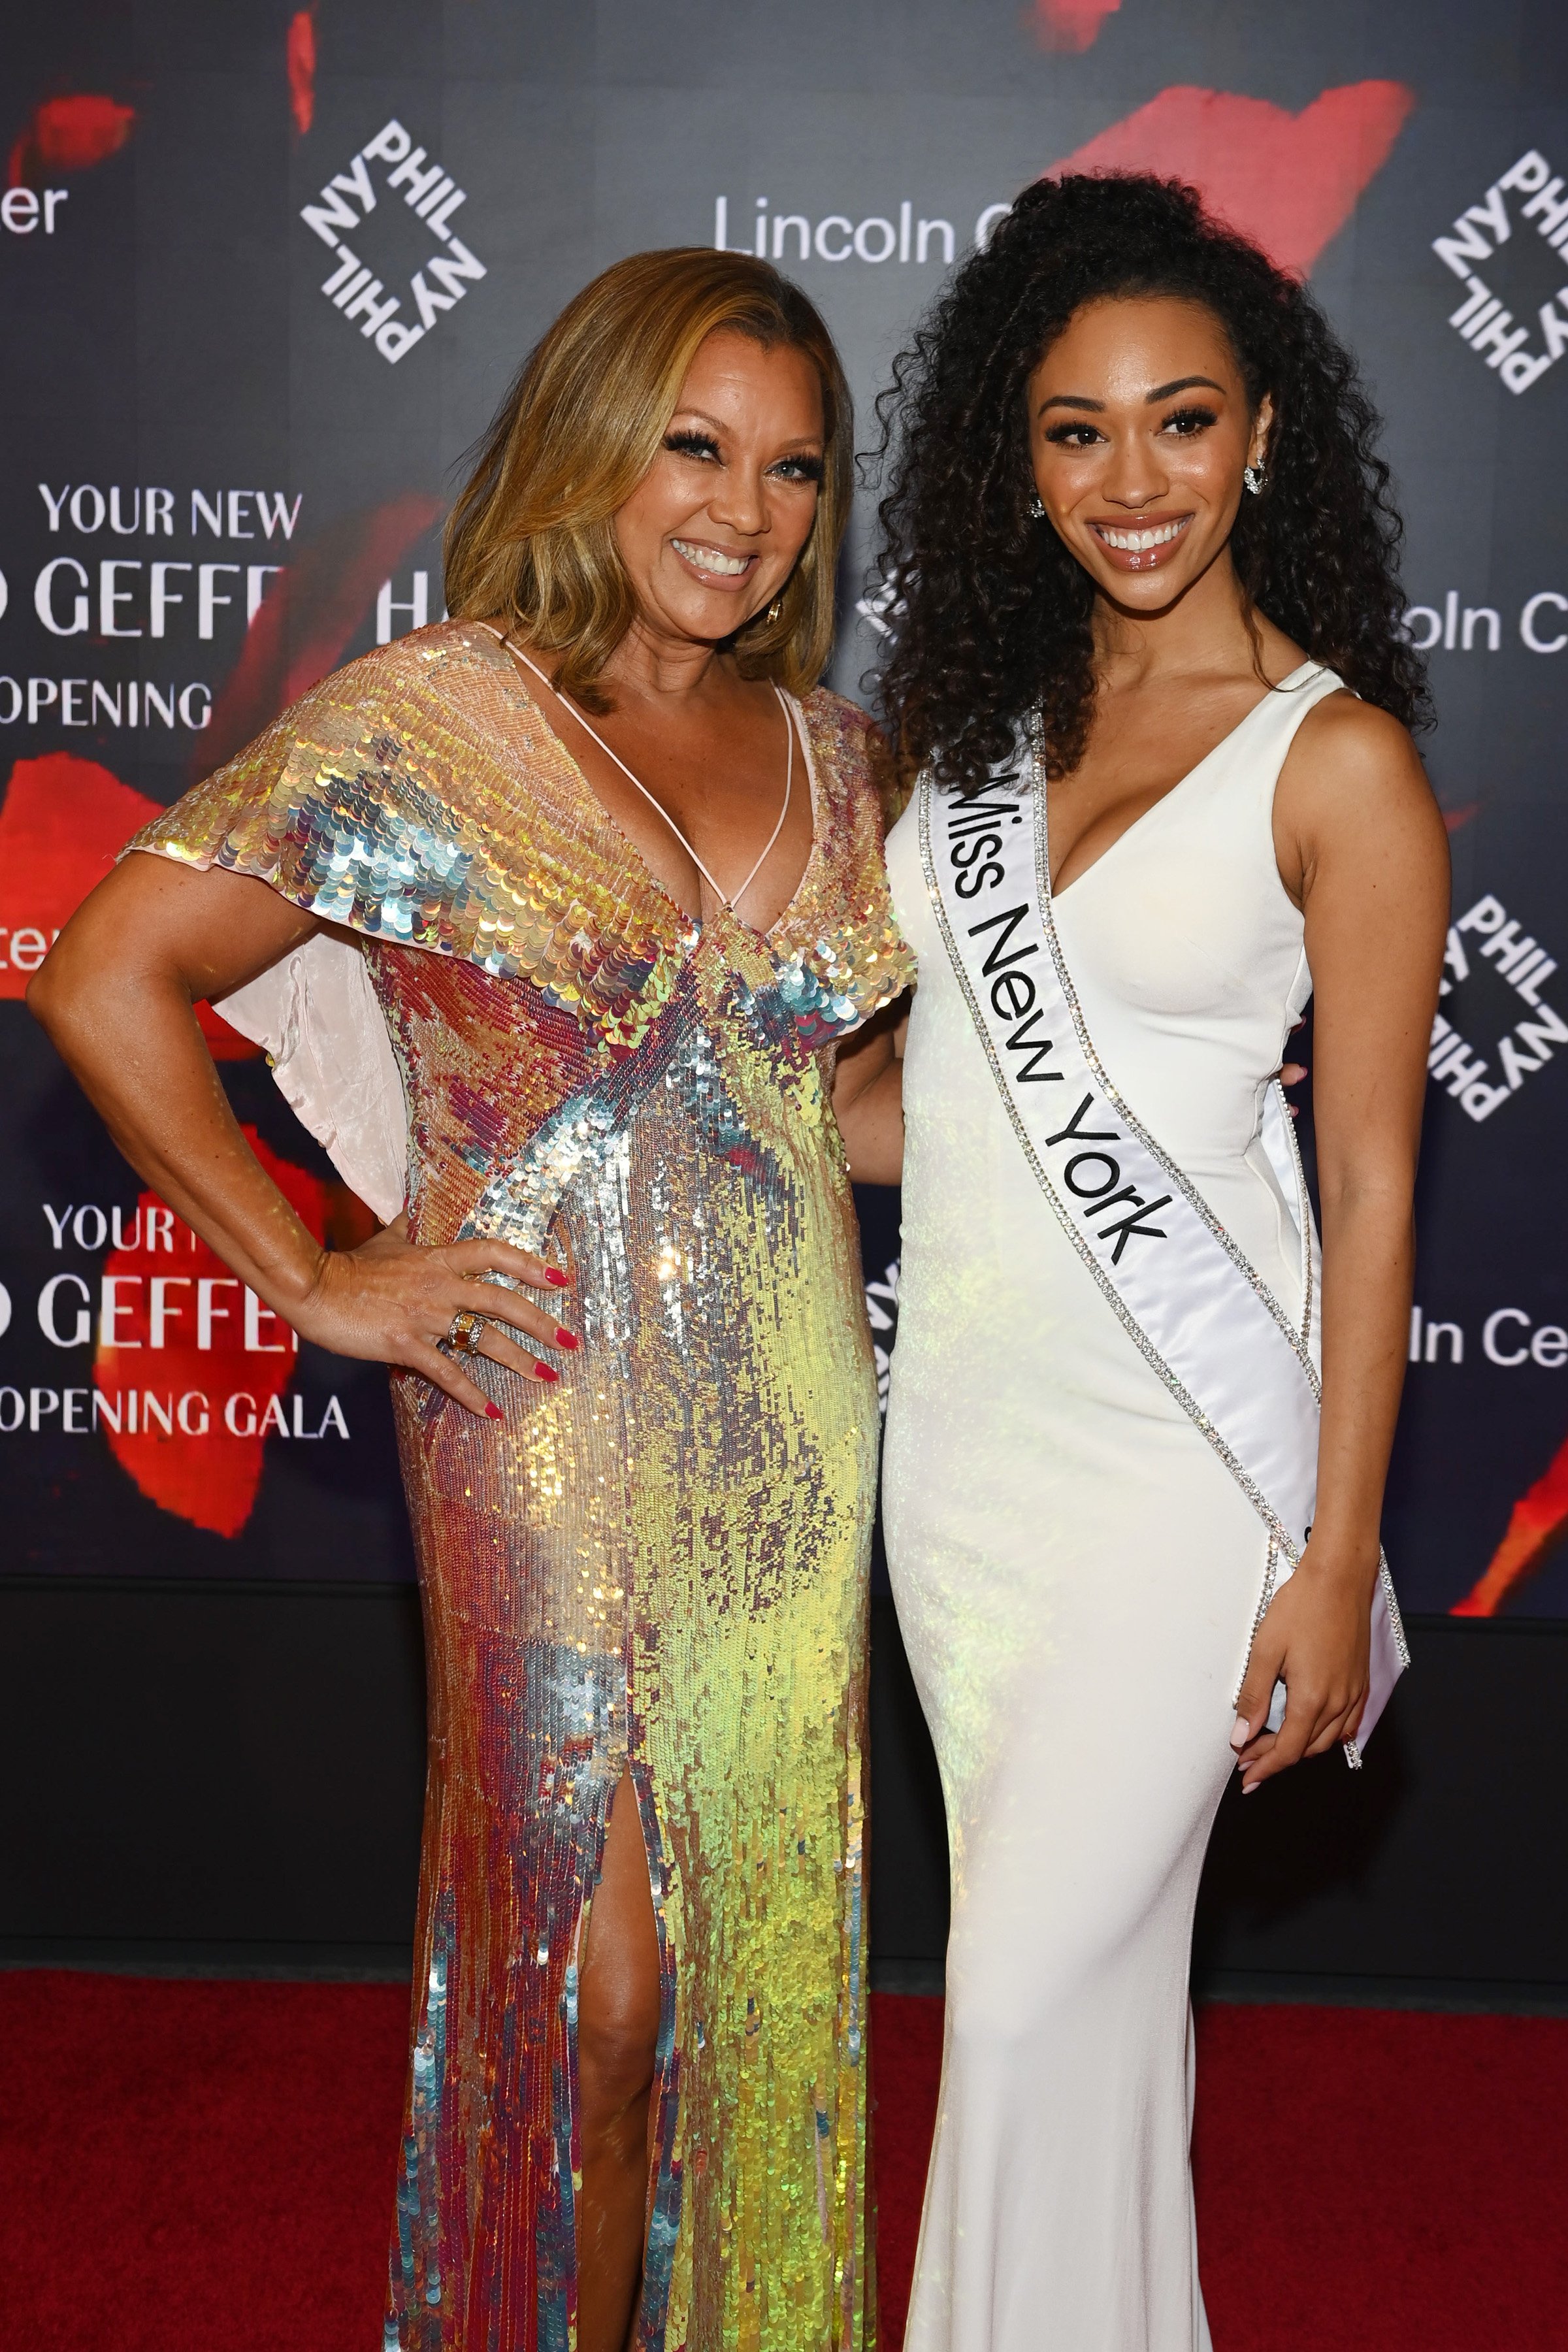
(167, 328)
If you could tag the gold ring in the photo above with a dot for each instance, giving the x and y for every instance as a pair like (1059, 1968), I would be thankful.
(465, 1328)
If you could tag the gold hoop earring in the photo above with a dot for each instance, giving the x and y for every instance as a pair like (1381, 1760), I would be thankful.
(774, 609)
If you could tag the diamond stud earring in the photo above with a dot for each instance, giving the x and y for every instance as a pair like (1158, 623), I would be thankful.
(1036, 508)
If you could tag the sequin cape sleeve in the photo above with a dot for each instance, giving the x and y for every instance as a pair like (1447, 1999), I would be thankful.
(848, 964)
(392, 799)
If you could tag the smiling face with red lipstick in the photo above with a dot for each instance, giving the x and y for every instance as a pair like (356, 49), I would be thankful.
(717, 524)
(1140, 429)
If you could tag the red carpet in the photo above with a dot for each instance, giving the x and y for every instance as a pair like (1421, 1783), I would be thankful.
(208, 2168)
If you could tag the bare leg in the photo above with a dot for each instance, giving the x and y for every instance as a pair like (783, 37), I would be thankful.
(618, 2036)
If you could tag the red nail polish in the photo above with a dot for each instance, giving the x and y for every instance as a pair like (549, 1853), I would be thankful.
(547, 1372)
(553, 1274)
(565, 1339)
(494, 1411)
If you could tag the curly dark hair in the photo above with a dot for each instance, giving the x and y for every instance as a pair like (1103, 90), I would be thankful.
(995, 612)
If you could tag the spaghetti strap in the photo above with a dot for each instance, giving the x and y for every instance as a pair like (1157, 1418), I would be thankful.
(658, 805)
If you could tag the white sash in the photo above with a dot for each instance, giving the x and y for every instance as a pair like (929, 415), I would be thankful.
(1189, 1298)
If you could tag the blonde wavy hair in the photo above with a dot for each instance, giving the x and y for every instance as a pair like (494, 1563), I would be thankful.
(532, 535)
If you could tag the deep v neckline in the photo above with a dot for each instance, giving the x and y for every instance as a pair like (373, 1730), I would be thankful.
(691, 926)
(1171, 792)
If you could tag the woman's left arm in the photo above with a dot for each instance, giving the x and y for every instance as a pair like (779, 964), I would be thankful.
(1361, 847)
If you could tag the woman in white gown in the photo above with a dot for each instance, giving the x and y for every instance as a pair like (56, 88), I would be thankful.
(1078, 1569)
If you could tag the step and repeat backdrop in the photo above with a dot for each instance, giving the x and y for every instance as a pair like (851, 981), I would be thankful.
(266, 273)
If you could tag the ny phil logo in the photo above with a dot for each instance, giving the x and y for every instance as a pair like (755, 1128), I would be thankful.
(1479, 236)
(347, 202)
(1486, 934)
(882, 1314)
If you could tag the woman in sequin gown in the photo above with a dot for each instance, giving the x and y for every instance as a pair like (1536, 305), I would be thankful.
(643, 1551)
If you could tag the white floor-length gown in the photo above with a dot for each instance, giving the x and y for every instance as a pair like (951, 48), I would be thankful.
(1077, 1575)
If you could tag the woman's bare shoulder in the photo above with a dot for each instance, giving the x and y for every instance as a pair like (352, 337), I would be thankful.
(1348, 755)
(1353, 808)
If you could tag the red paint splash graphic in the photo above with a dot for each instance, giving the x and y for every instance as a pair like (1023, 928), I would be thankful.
(300, 631)
(193, 1419)
(1537, 1518)
(1290, 182)
(69, 134)
(300, 59)
(193, 1438)
(64, 822)
(1070, 26)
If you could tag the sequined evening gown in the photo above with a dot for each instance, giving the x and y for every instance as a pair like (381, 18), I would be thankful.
(1077, 1574)
(659, 1565)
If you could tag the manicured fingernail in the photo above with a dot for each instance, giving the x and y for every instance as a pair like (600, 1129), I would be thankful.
(494, 1411)
(1241, 1732)
(1250, 1788)
(565, 1339)
(553, 1274)
(546, 1373)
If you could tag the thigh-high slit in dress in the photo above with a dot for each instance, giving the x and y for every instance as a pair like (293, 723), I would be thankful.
(1077, 1576)
(659, 1566)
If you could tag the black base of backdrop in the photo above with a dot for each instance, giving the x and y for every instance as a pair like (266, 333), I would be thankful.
(227, 1778)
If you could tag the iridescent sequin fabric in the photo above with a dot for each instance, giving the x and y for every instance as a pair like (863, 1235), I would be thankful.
(659, 1566)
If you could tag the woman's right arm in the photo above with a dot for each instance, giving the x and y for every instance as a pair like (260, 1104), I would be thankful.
(868, 1096)
(117, 995)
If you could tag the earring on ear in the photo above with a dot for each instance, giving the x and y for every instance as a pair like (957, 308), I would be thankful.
(774, 609)
(1037, 507)
(1253, 477)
